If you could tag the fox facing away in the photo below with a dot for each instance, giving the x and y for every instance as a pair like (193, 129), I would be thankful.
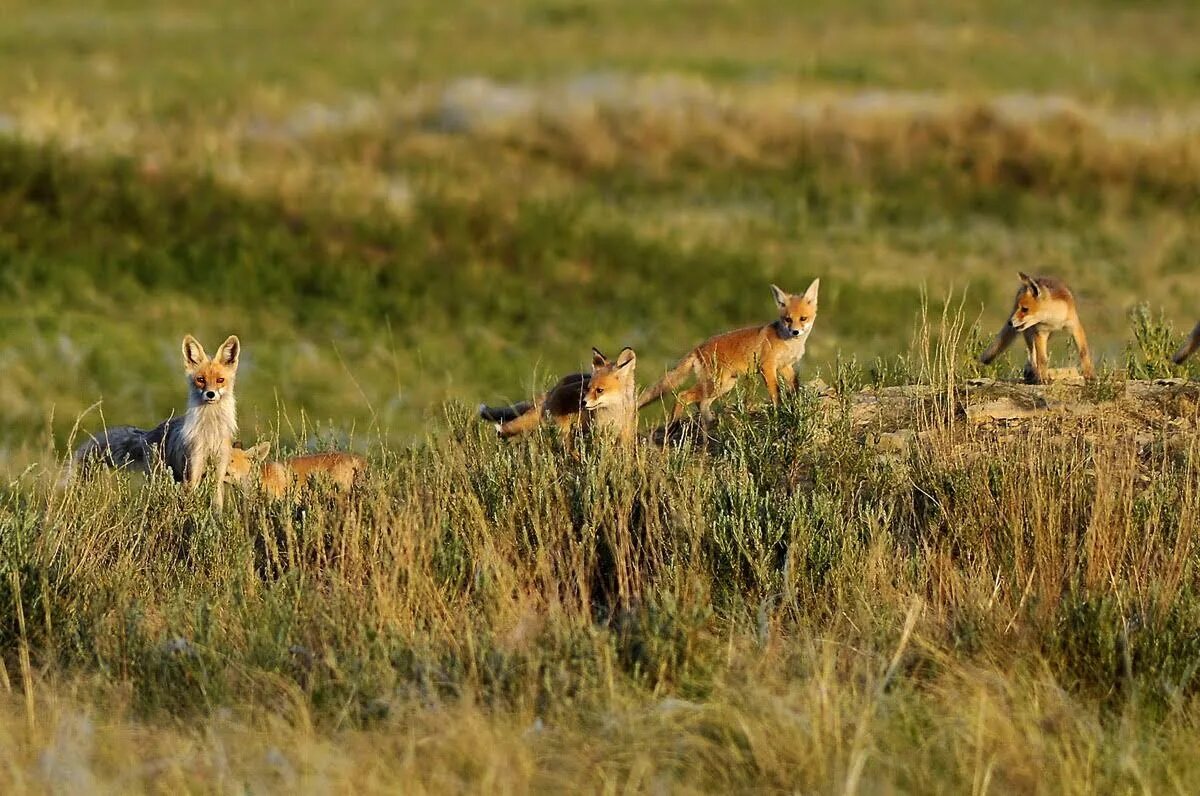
(1043, 305)
(772, 350)
(606, 398)
(187, 444)
(1188, 348)
(341, 469)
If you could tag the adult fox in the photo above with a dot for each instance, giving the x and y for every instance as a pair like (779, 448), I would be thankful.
(772, 350)
(186, 444)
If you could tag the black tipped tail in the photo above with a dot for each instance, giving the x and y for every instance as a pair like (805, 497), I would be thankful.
(503, 414)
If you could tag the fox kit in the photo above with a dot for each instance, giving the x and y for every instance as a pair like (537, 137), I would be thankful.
(605, 398)
(1043, 305)
(772, 350)
(340, 468)
(1189, 347)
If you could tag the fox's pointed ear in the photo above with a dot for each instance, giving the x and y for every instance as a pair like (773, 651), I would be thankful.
(598, 359)
(810, 295)
(229, 351)
(1030, 283)
(781, 298)
(193, 352)
(259, 451)
(626, 357)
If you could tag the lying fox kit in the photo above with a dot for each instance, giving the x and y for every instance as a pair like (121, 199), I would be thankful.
(1043, 305)
(186, 444)
(772, 350)
(604, 398)
(342, 469)
(1189, 347)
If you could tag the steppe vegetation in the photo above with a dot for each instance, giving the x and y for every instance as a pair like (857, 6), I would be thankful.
(918, 578)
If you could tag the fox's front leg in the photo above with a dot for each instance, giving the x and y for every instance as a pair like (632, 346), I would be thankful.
(1039, 356)
(1032, 376)
(790, 377)
(770, 376)
(194, 470)
(222, 467)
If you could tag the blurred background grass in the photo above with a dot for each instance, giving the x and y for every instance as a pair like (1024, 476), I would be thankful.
(400, 205)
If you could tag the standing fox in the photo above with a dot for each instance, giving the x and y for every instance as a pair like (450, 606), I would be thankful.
(342, 469)
(1189, 347)
(185, 444)
(772, 350)
(605, 398)
(1043, 305)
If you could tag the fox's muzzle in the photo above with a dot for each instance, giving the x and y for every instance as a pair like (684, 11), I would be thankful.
(211, 396)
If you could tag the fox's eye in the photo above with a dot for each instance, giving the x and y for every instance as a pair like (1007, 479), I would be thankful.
(803, 318)
(787, 319)
(220, 379)
(200, 382)
(599, 391)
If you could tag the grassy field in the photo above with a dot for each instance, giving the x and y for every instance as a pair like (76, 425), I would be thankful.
(406, 210)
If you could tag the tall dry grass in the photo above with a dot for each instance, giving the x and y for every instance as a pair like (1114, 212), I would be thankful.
(786, 606)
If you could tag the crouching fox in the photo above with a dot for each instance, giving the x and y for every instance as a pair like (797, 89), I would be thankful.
(606, 398)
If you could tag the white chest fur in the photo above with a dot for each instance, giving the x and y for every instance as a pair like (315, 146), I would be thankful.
(793, 350)
(204, 433)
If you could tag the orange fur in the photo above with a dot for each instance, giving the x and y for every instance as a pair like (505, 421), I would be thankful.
(772, 350)
(341, 469)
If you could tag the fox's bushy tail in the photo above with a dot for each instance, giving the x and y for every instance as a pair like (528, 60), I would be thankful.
(117, 447)
(504, 414)
(1189, 347)
(673, 379)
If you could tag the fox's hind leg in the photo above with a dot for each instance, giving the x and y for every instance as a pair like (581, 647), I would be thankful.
(1085, 356)
(1003, 340)
(700, 392)
(522, 424)
(714, 389)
